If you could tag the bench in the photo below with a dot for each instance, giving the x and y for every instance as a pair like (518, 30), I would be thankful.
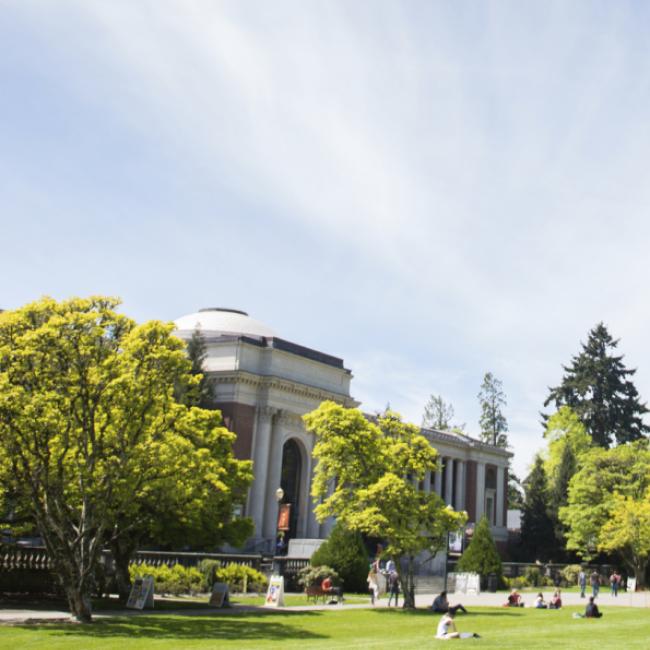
(316, 592)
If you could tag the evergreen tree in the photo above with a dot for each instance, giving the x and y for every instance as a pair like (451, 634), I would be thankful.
(202, 393)
(597, 386)
(481, 556)
(515, 495)
(492, 421)
(438, 415)
(537, 533)
(345, 552)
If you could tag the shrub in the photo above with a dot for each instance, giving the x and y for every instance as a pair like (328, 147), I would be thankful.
(208, 569)
(481, 555)
(241, 578)
(314, 575)
(174, 580)
(570, 574)
(345, 552)
(534, 576)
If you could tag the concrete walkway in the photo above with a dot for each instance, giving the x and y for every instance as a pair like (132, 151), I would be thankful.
(423, 601)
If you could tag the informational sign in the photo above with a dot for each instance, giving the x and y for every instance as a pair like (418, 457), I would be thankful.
(631, 584)
(141, 595)
(468, 583)
(284, 516)
(275, 592)
(456, 541)
(219, 596)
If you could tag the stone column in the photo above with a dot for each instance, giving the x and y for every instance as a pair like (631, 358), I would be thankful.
(449, 482)
(260, 467)
(480, 490)
(438, 481)
(460, 486)
(499, 496)
(427, 482)
(273, 481)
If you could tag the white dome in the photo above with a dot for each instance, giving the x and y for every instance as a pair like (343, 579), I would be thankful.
(219, 320)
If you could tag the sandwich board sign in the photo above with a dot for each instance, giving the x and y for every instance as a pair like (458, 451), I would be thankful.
(141, 595)
(219, 597)
(275, 592)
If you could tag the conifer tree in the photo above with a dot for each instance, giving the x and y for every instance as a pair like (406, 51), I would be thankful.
(598, 387)
(438, 414)
(481, 556)
(537, 533)
(492, 421)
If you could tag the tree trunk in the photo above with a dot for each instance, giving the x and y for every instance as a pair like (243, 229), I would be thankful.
(80, 604)
(408, 583)
(122, 553)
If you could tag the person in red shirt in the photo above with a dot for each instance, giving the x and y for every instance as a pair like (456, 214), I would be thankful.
(329, 588)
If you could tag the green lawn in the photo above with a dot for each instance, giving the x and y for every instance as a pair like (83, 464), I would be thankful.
(381, 628)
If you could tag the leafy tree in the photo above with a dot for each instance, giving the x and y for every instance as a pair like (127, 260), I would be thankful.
(367, 477)
(438, 414)
(90, 432)
(567, 442)
(345, 552)
(481, 556)
(597, 386)
(604, 473)
(537, 533)
(492, 421)
(628, 531)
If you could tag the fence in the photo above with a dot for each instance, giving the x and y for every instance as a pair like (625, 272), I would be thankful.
(29, 570)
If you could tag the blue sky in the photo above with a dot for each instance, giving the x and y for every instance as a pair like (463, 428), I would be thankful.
(430, 190)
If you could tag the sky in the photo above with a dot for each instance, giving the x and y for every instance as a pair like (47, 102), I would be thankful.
(430, 190)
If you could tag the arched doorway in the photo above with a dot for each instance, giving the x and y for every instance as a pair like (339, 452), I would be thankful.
(290, 481)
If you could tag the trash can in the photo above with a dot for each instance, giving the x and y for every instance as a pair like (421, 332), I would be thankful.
(492, 582)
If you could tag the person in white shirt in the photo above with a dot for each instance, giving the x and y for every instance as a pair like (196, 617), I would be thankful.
(447, 629)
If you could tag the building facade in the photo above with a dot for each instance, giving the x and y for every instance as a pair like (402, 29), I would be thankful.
(264, 384)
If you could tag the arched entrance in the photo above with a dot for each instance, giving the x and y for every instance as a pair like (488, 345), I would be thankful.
(290, 481)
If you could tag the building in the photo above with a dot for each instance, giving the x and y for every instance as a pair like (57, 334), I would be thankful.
(264, 384)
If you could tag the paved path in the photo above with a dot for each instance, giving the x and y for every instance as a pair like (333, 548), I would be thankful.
(639, 599)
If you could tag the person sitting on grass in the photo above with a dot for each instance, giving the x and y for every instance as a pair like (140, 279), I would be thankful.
(441, 605)
(591, 610)
(447, 629)
(556, 601)
(539, 602)
(514, 599)
(329, 588)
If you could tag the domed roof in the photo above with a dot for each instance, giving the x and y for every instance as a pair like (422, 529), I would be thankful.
(219, 320)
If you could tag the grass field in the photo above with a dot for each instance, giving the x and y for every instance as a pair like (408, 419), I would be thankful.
(365, 628)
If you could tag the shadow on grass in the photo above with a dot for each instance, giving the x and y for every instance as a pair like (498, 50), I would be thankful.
(228, 627)
(436, 615)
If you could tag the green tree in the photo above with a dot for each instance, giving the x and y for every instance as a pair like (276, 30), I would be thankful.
(90, 429)
(493, 423)
(597, 386)
(537, 532)
(367, 476)
(627, 531)
(604, 473)
(481, 556)
(438, 414)
(345, 552)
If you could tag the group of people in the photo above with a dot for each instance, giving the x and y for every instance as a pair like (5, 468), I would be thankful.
(615, 582)
(392, 581)
(554, 603)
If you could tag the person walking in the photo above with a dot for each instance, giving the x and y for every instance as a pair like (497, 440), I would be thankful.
(393, 587)
(595, 583)
(582, 582)
(373, 583)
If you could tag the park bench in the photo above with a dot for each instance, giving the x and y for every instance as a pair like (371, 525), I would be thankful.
(316, 592)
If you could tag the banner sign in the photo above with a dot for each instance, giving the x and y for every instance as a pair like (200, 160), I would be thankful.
(141, 595)
(219, 597)
(284, 516)
(275, 592)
